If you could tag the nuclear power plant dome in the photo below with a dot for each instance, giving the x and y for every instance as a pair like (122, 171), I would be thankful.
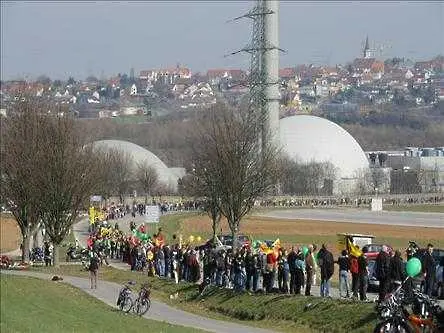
(309, 138)
(139, 154)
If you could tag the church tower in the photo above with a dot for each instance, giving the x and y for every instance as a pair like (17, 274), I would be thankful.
(367, 52)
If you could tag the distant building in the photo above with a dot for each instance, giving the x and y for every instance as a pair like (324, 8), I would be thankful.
(413, 170)
(165, 75)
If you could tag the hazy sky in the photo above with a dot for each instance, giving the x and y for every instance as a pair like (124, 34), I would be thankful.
(84, 38)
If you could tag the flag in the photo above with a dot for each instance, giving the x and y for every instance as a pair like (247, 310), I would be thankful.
(352, 249)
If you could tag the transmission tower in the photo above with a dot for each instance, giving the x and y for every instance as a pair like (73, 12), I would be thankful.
(264, 67)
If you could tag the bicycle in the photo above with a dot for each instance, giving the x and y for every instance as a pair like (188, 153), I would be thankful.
(124, 300)
(143, 302)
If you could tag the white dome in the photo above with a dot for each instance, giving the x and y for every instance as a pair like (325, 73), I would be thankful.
(140, 155)
(308, 138)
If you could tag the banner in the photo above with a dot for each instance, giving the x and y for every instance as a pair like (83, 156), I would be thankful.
(152, 214)
(91, 215)
(352, 249)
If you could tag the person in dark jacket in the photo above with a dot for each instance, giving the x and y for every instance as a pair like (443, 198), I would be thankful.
(363, 277)
(396, 270)
(383, 272)
(291, 258)
(344, 268)
(429, 270)
(326, 263)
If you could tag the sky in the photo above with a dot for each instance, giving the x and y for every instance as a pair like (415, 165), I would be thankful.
(105, 38)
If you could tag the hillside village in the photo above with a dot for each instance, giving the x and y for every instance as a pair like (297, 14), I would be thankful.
(362, 86)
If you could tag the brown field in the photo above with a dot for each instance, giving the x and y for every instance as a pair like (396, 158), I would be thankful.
(10, 236)
(307, 231)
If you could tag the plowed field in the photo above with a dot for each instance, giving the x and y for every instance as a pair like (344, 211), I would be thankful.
(292, 232)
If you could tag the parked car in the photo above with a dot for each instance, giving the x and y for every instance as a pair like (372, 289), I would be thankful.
(372, 283)
(371, 250)
(226, 242)
(243, 241)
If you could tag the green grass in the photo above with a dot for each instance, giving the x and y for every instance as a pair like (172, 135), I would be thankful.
(33, 305)
(279, 312)
(131, 119)
(416, 208)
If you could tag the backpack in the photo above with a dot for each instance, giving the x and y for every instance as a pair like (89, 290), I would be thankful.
(354, 267)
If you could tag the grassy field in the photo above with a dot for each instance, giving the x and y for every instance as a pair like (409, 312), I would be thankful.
(416, 208)
(279, 312)
(33, 305)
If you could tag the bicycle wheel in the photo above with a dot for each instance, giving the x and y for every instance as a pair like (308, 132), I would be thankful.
(143, 306)
(126, 304)
(389, 326)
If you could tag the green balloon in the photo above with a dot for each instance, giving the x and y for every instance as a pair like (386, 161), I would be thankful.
(413, 267)
(305, 250)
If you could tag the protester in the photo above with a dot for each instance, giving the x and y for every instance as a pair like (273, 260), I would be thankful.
(383, 272)
(354, 270)
(429, 270)
(93, 269)
(326, 263)
(292, 268)
(363, 277)
(309, 269)
(343, 262)
(397, 274)
(300, 269)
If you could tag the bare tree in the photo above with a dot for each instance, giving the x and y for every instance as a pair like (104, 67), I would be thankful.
(20, 147)
(194, 186)
(117, 173)
(232, 163)
(313, 178)
(147, 178)
(69, 175)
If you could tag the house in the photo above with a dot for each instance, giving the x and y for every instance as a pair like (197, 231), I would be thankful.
(214, 76)
(287, 73)
(165, 75)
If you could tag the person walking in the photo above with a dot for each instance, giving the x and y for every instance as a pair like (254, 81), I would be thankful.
(344, 268)
(93, 269)
(383, 272)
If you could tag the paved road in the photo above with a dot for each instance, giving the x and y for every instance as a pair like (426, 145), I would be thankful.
(107, 292)
(410, 219)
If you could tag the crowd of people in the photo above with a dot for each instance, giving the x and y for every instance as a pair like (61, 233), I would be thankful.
(254, 268)
(251, 268)
(359, 201)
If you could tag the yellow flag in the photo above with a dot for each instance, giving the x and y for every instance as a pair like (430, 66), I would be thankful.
(276, 244)
(352, 249)
(91, 215)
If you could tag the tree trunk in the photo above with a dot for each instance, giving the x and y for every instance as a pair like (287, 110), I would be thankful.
(234, 232)
(26, 247)
(146, 199)
(216, 222)
(55, 255)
